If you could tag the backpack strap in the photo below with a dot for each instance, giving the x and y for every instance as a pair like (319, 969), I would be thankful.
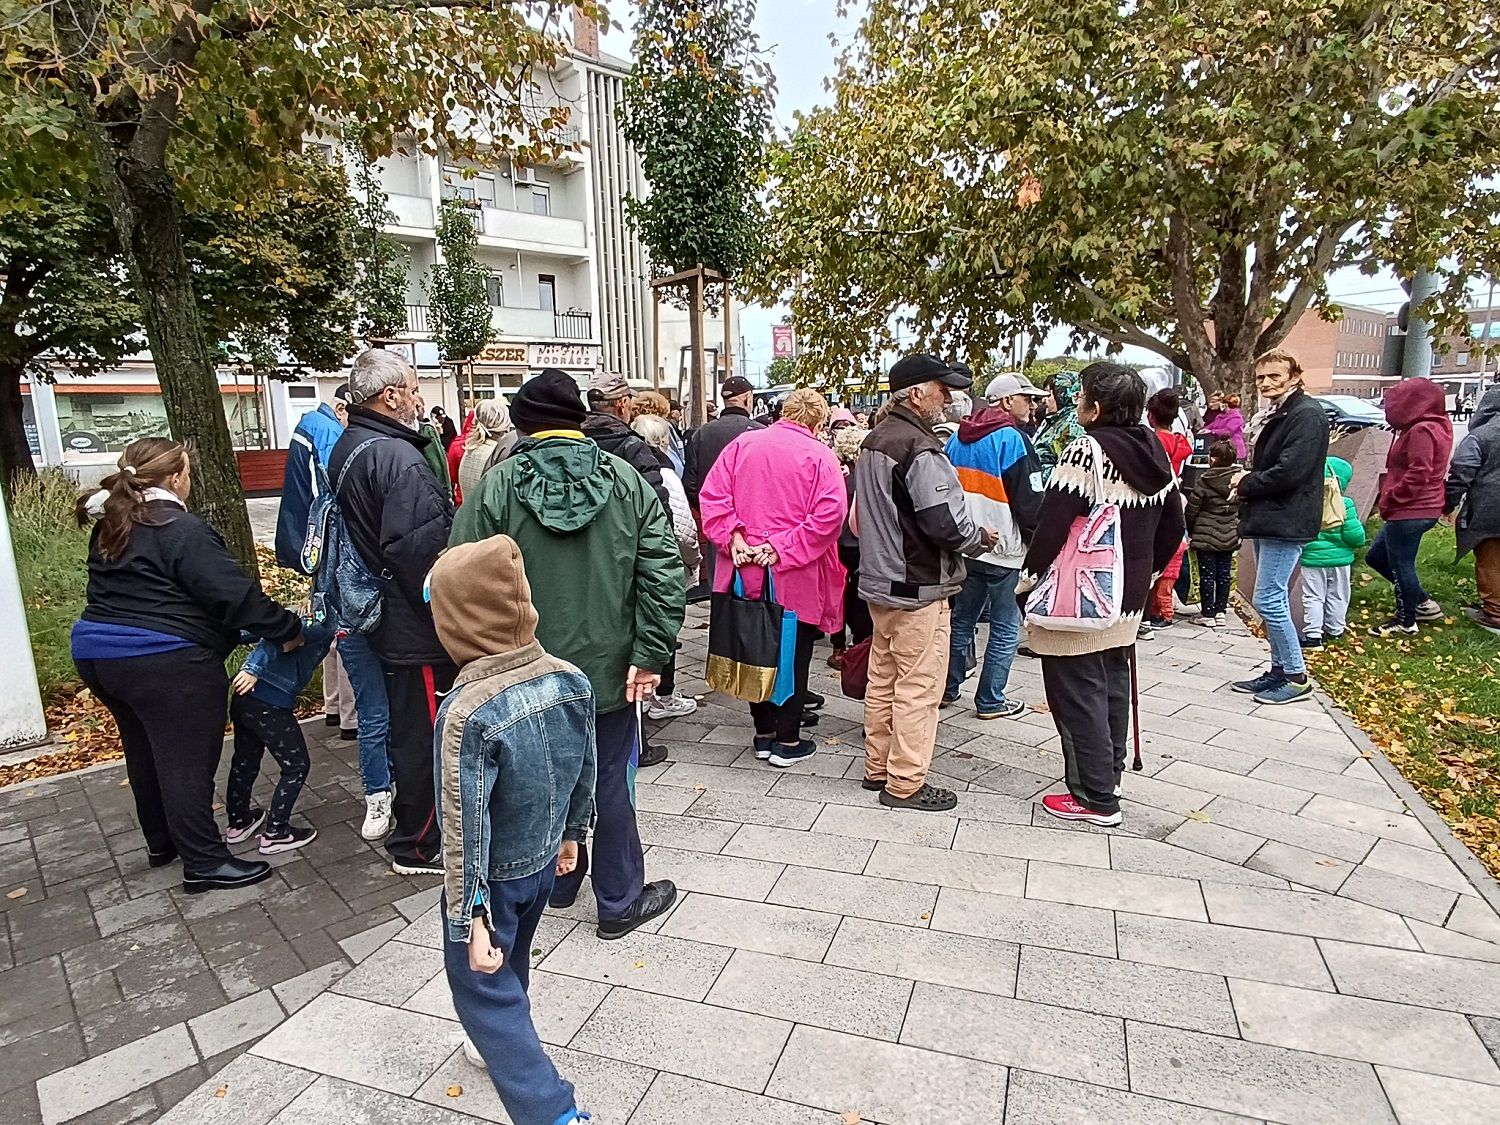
(358, 449)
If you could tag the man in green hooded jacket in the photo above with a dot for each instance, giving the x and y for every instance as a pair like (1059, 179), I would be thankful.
(609, 589)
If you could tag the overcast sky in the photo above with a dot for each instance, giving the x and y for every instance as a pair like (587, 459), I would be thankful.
(794, 34)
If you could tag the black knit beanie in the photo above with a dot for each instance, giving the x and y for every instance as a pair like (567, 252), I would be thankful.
(549, 402)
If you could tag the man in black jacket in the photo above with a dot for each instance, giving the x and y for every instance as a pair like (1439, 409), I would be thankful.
(705, 445)
(607, 424)
(399, 516)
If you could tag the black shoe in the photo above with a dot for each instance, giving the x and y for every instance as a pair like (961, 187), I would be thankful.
(652, 756)
(1159, 622)
(1310, 642)
(812, 701)
(330, 720)
(872, 784)
(929, 798)
(1263, 682)
(783, 755)
(654, 900)
(228, 876)
(349, 735)
(1025, 650)
(809, 719)
(161, 858)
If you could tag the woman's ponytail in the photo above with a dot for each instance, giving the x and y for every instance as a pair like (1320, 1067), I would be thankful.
(120, 501)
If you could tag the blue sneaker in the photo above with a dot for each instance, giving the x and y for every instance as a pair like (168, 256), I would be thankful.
(783, 756)
(1264, 682)
(1287, 691)
(763, 746)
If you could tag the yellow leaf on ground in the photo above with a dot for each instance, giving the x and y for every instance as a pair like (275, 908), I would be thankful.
(221, 1092)
(852, 1117)
(455, 1090)
(1198, 815)
(19, 892)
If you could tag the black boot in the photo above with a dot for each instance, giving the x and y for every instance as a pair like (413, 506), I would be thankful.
(230, 874)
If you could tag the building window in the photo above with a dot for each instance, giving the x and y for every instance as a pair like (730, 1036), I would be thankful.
(494, 287)
(541, 202)
(546, 292)
(1463, 359)
(319, 151)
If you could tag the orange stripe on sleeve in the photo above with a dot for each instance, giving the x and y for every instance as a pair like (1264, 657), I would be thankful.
(980, 482)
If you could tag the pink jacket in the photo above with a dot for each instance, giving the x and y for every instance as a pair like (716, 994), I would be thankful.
(781, 486)
(1229, 424)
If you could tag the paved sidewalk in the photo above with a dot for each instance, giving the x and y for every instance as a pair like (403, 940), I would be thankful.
(1270, 936)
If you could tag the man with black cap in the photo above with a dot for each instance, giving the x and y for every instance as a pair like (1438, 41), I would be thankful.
(607, 582)
(608, 425)
(913, 532)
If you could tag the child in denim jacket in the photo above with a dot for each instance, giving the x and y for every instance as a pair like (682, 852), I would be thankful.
(264, 713)
(515, 768)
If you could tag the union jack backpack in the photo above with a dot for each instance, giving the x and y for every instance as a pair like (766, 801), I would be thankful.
(1080, 591)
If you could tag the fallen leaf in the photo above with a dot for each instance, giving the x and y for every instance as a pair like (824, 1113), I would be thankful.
(639, 965)
(1327, 862)
(19, 892)
(926, 916)
(222, 1091)
(455, 1090)
(852, 1117)
(124, 781)
(1200, 817)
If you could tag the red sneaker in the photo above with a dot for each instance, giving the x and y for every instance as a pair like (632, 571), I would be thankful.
(1062, 806)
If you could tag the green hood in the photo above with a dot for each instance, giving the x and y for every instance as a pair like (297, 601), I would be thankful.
(564, 483)
(1342, 470)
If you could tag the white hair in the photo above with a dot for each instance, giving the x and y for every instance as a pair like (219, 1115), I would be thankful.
(654, 430)
(960, 408)
(374, 370)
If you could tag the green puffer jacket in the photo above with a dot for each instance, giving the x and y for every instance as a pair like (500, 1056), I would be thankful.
(605, 570)
(1335, 547)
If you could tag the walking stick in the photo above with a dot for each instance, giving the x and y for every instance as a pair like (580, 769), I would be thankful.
(1135, 712)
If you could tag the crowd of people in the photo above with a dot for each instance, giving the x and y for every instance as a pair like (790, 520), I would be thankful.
(496, 608)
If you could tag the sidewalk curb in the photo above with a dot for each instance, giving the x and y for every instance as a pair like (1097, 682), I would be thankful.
(1475, 872)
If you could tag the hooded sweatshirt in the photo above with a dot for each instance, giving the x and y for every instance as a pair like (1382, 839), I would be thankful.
(1002, 480)
(1137, 477)
(1335, 546)
(607, 577)
(1474, 476)
(1417, 464)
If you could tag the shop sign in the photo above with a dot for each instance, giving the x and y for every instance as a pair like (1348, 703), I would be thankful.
(503, 353)
(565, 355)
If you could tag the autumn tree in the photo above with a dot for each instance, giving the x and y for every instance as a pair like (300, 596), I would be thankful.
(458, 286)
(1181, 178)
(698, 110)
(381, 262)
(187, 102)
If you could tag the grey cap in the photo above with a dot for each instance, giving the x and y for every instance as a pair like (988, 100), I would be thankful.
(1003, 386)
(609, 386)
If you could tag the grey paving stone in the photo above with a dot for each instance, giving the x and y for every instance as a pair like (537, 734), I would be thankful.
(1026, 921)
(1299, 831)
(68, 1093)
(1328, 759)
(1388, 824)
(1253, 1079)
(1370, 1030)
(1427, 1099)
(964, 871)
(32, 988)
(1421, 864)
(134, 912)
(1397, 893)
(1300, 912)
(886, 1082)
(129, 1110)
(1019, 842)
(39, 1051)
(413, 906)
(840, 999)
(1376, 794)
(561, 1004)
(235, 1024)
(1216, 841)
(1451, 943)
(977, 963)
(1222, 950)
(332, 1101)
(1150, 993)
(806, 849)
(665, 1033)
(297, 993)
(684, 832)
(727, 875)
(880, 823)
(1263, 794)
(673, 1099)
(743, 808)
(255, 1090)
(1042, 1099)
(783, 930)
(1115, 890)
(1488, 1031)
(1162, 794)
(362, 1042)
(1157, 857)
(648, 962)
(1414, 978)
(606, 1087)
(688, 775)
(1300, 866)
(427, 930)
(838, 892)
(134, 1017)
(260, 970)
(1041, 1037)
(435, 998)
(391, 974)
(1473, 916)
(359, 946)
(664, 799)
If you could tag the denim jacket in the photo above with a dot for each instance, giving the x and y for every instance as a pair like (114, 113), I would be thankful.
(281, 676)
(514, 771)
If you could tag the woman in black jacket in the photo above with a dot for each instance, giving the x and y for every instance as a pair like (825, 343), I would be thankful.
(1281, 508)
(166, 603)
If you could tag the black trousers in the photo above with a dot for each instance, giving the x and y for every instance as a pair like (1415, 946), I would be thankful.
(1089, 697)
(1213, 581)
(170, 708)
(413, 691)
(785, 720)
(668, 685)
(259, 727)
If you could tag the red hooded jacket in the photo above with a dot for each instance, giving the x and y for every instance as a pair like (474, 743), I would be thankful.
(1417, 464)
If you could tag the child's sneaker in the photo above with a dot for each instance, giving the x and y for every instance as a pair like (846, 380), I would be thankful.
(1393, 628)
(378, 817)
(1429, 611)
(1145, 632)
(1209, 621)
(1064, 807)
(239, 833)
(670, 707)
(288, 839)
(1221, 619)
(783, 756)
(1288, 691)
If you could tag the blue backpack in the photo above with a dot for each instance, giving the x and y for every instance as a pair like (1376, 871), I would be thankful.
(343, 585)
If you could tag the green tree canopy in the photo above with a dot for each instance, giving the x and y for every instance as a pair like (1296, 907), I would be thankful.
(1181, 178)
(462, 323)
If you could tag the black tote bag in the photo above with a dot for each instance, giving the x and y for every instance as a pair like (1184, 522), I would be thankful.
(744, 641)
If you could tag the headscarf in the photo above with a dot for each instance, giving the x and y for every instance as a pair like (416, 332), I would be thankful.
(1062, 426)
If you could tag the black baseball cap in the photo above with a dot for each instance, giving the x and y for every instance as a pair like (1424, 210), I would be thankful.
(919, 367)
(342, 392)
(735, 385)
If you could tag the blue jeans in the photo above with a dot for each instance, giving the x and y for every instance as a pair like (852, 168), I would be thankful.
(1393, 556)
(995, 587)
(368, 680)
(495, 1009)
(1275, 560)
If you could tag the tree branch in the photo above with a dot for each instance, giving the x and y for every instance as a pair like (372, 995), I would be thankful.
(1117, 329)
(1275, 332)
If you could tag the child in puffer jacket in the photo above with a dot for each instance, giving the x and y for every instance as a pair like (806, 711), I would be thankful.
(1213, 520)
(1326, 565)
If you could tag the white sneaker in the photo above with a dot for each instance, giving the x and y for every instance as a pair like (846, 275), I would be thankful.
(1145, 632)
(471, 1053)
(378, 819)
(670, 707)
(1221, 619)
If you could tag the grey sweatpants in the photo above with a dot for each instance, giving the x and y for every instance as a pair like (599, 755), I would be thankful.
(1325, 600)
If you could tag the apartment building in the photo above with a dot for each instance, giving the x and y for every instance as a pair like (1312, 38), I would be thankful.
(1356, 355)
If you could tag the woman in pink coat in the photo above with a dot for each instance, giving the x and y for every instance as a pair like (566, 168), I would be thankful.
(775, 498)
(1225, 420)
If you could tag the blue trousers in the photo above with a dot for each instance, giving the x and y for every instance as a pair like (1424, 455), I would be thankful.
(367, 678)
(992, 588)
(1393, 556)
(618, 866)
(496, 1012)
(1275, 560)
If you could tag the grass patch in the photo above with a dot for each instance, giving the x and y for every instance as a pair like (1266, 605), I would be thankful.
(1430, 701)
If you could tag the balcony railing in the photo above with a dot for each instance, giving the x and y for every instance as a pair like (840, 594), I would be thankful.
(417, 320)
(573, 325)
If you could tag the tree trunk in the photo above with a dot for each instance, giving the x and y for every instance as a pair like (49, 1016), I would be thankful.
(15, 451)
(698, 411)
(147, 213)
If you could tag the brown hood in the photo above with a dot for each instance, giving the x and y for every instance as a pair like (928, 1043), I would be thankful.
(481, 601)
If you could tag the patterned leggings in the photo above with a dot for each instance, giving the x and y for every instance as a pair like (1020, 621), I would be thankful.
(258, 728)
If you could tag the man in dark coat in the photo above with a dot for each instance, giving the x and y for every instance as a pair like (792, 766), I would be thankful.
(1472, 503)
(607, 424)
(704, 447)
(399, 516)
